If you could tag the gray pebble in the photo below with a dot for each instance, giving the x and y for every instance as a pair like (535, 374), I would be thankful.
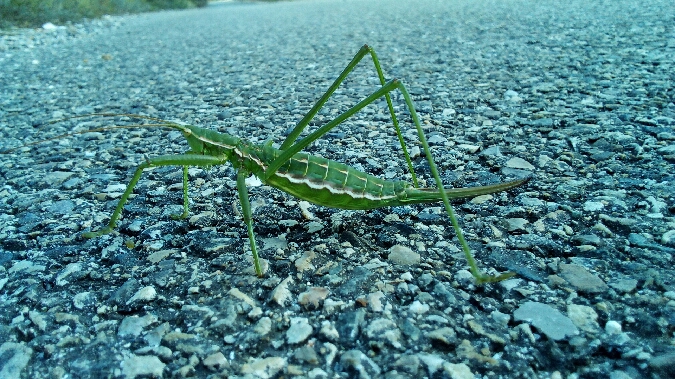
(547, 319)
(15, 358)
(299, 331)
(515, 224)
(624, 285)
(142, 366)
(519, 163)
(357, 361)
(403, 255)
(134, 325)
(581, 279)
(386, 330)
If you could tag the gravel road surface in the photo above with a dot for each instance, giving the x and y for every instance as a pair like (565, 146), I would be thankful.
(577, 94)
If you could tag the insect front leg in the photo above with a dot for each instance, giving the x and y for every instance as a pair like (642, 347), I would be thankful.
(184, 160)
(242, 174)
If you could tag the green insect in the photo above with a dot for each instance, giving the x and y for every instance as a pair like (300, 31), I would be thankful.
(315, 179)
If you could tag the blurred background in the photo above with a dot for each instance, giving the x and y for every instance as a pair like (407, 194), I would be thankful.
(34, 13)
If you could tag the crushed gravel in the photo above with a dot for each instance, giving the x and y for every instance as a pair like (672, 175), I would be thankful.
(578, 94)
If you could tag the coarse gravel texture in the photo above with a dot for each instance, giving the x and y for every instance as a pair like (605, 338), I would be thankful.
(578, 94)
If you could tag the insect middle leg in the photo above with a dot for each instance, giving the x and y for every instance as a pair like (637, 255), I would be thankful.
(242, 174)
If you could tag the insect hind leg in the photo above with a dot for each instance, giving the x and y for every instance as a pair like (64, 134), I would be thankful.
(365, 49)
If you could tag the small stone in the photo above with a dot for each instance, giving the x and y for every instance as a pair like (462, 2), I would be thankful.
(314, 296)
(519, 163)
(263, 326)
(445, 335)
(134, 325)
(136, 226)
(143, 365)
(501, 318)
(299, 331)
(306, 354)
(418, 308)
(281, 294)
(512, 96)
(624, 285)
(145, 294)
(592, 206)
(253, 181)
(237, 294)
(547, 319)
(359, 362)
(328, 331)
(313, 227)
(531, 201)
(468, 148)
(581, 279)
(617, 374)
(448, 113)
(317, 373)
(215, 361)
(587, 239)
(384, 329)
(305, 261)
(375, 301)
(584, 317)
(57, 177)
(670, 150)
(403, 255)
(83, 300)
(515, 224)
(668, 238)
(27, 266)
(586, 248)
(264, 368)
(481, 199)
(38, 319)
(458, 371)
(639, 240)
(510, 284)
(159, 255)
(15, 358)
(612, 327)
(432, 361)
(62, 207)
(465, 278)
(492, 152)
(436, 139)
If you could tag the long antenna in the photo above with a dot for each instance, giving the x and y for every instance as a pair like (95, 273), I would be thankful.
(161, 124)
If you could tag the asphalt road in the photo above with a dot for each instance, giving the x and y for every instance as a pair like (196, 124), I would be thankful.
(577, 94)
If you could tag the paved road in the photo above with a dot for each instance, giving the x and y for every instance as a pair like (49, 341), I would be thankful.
(579, 93)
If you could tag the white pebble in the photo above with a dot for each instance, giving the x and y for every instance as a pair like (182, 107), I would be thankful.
(612, 327)
(419, 308)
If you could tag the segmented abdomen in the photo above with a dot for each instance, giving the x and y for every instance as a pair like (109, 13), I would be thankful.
(333, 184)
